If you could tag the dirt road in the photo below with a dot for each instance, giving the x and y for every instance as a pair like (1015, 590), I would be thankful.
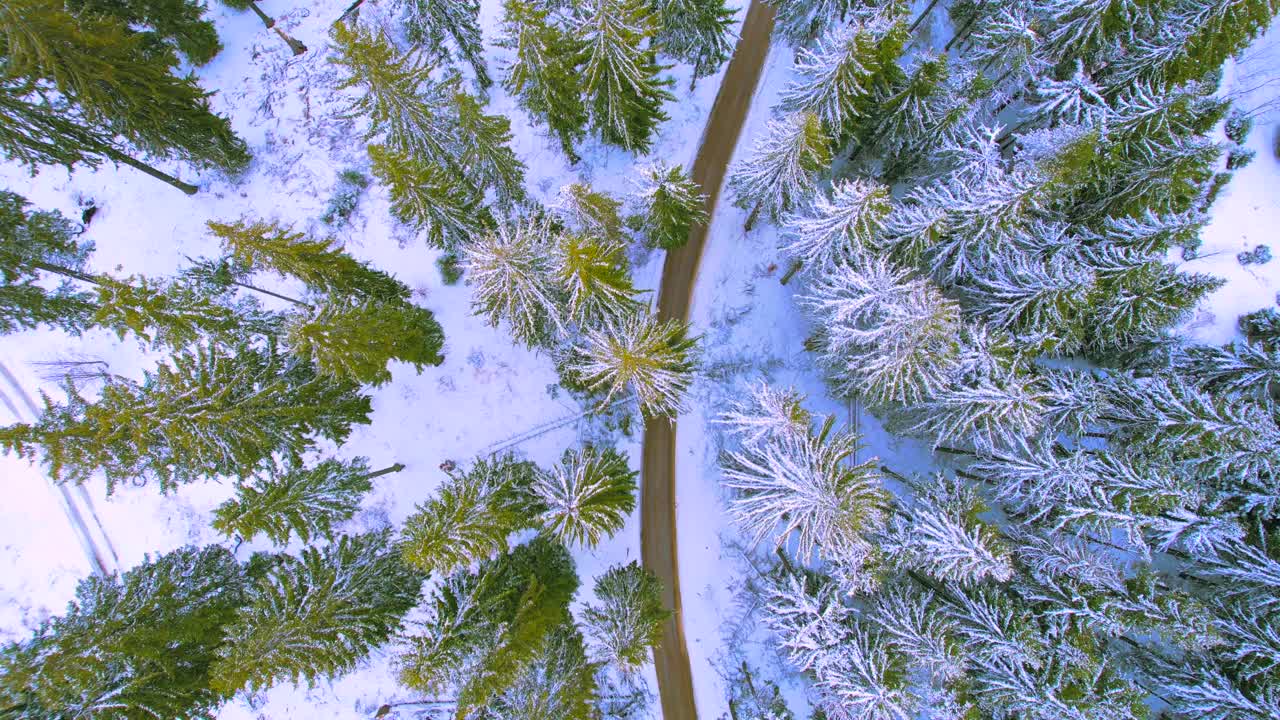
(658, 498)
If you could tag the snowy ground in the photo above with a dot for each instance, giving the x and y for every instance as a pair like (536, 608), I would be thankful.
(754, 330)
(486, 392)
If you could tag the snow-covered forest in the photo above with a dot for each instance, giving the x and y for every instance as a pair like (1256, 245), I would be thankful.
(333, 341)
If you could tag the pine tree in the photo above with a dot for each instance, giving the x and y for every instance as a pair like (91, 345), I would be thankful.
(620, 77)
(31, 242)
(995, 411)
(651, 358)
(1075, 100)
(408, 110)
(105, 71)
(587, 497)
(136, 645)
(430, 198)
(513, 276)
(781, 172)
(559, 683)
(428, 22)
(942, 535)
(319, 615)
(352, 341)
(543, 75)
(299, 500)
(179, 23)
(838, 230)
(767, 414)
(595, 278)
(800, 21)
(590, 212)
(175, 315)
(208, 412)
(269, 246)
(486, 152)
(471, 517)
(1137, 296)
(628, 621)
(696, 32)
(670, 204)
(1045, 300)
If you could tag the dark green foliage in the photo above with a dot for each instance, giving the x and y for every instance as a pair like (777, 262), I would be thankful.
(205, 413)
(559, 683)
(346, 197)
(450, 266)
(620, 75)
(176, 315)
(353, 340)
(299, 500)
(322, 267)
(672, 204)
(1240, 157)
(435, 201)
(1238, 126)
(135, 646)
(697, 32)
(1262, 326)
(627, 623)
(471, 517)
(1214, 188)
(429, 22)
(318, 615)
(32, 242)
(587, 497)
(486, 152)
(543, 75)
(180, 23)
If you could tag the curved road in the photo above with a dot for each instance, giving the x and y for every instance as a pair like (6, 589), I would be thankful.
(658, 498)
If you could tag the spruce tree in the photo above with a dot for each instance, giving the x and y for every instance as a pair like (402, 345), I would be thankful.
(782, 169)
(140, 644)
(839, 230)
(559, 683)
(208, 412)
(317, 263)
(32, 242)
(627, 623)
(800, 21)
(429, 22)
(105, 71)
(670, 205)
(620, 77)
(352, 341)
(543, 76)
(513, 276)
(175, 314)
(298, 500)
(486, 152)
(595, 279)
(319, 615)
(587, 496)
(591, 212)
(696, 32)
(179, 23)
(640, 354)
(430, 198)
(471, 517)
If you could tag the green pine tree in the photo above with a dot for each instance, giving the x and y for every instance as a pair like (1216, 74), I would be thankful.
(587, 497)
(137, 645)
(32, 242)
(782, 169)
(432, 199)
(486, 152)
(697, 32)
(591, 212)
(300, 500)
(559, 683)
(543, 76)
(319, 615)
(205, 413)
(620, 77)
(595, 278)
(177, 23)
(627, 623)
(353, 340)
(671, 204)
(429, 22)
(652, 359)
(471, 517)
(175, 315)
(269, 246)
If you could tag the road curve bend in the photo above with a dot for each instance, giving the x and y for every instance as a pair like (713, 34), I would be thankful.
(658, 469)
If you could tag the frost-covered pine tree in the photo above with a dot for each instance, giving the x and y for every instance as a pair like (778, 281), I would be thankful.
(670, 205)
(1047, 300)
(428, 22)
(1075, 100)
(1154, 232)
(586, 497)
(205, 413)
(1236, 368)
(1008, 43)
(839, 229)
(808, 485)
(513, 276)
(782, 170)
(803, 20)
(620, 77)
(769, 412)
(558, 681)
(695, 32)
(353, 340)
(134, 645)
(640, 354)
(471, 516)
(317, 616)
(592, 212)
(595, 278)
(485, 151)
(430, 198)
(836, 78)
(1138, 296)
(269, 246)
(626, 624)
(543, 74)
(884, 337)
(298, 500)
(942, 535)
(994, 411)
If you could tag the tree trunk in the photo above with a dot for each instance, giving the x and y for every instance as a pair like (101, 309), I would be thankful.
(67, 272)
(120, 157)
(278, 296)
(384, 471)
(961, 34)
(791, 271)
(295, 45)
(923, 15)
(351, 10)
